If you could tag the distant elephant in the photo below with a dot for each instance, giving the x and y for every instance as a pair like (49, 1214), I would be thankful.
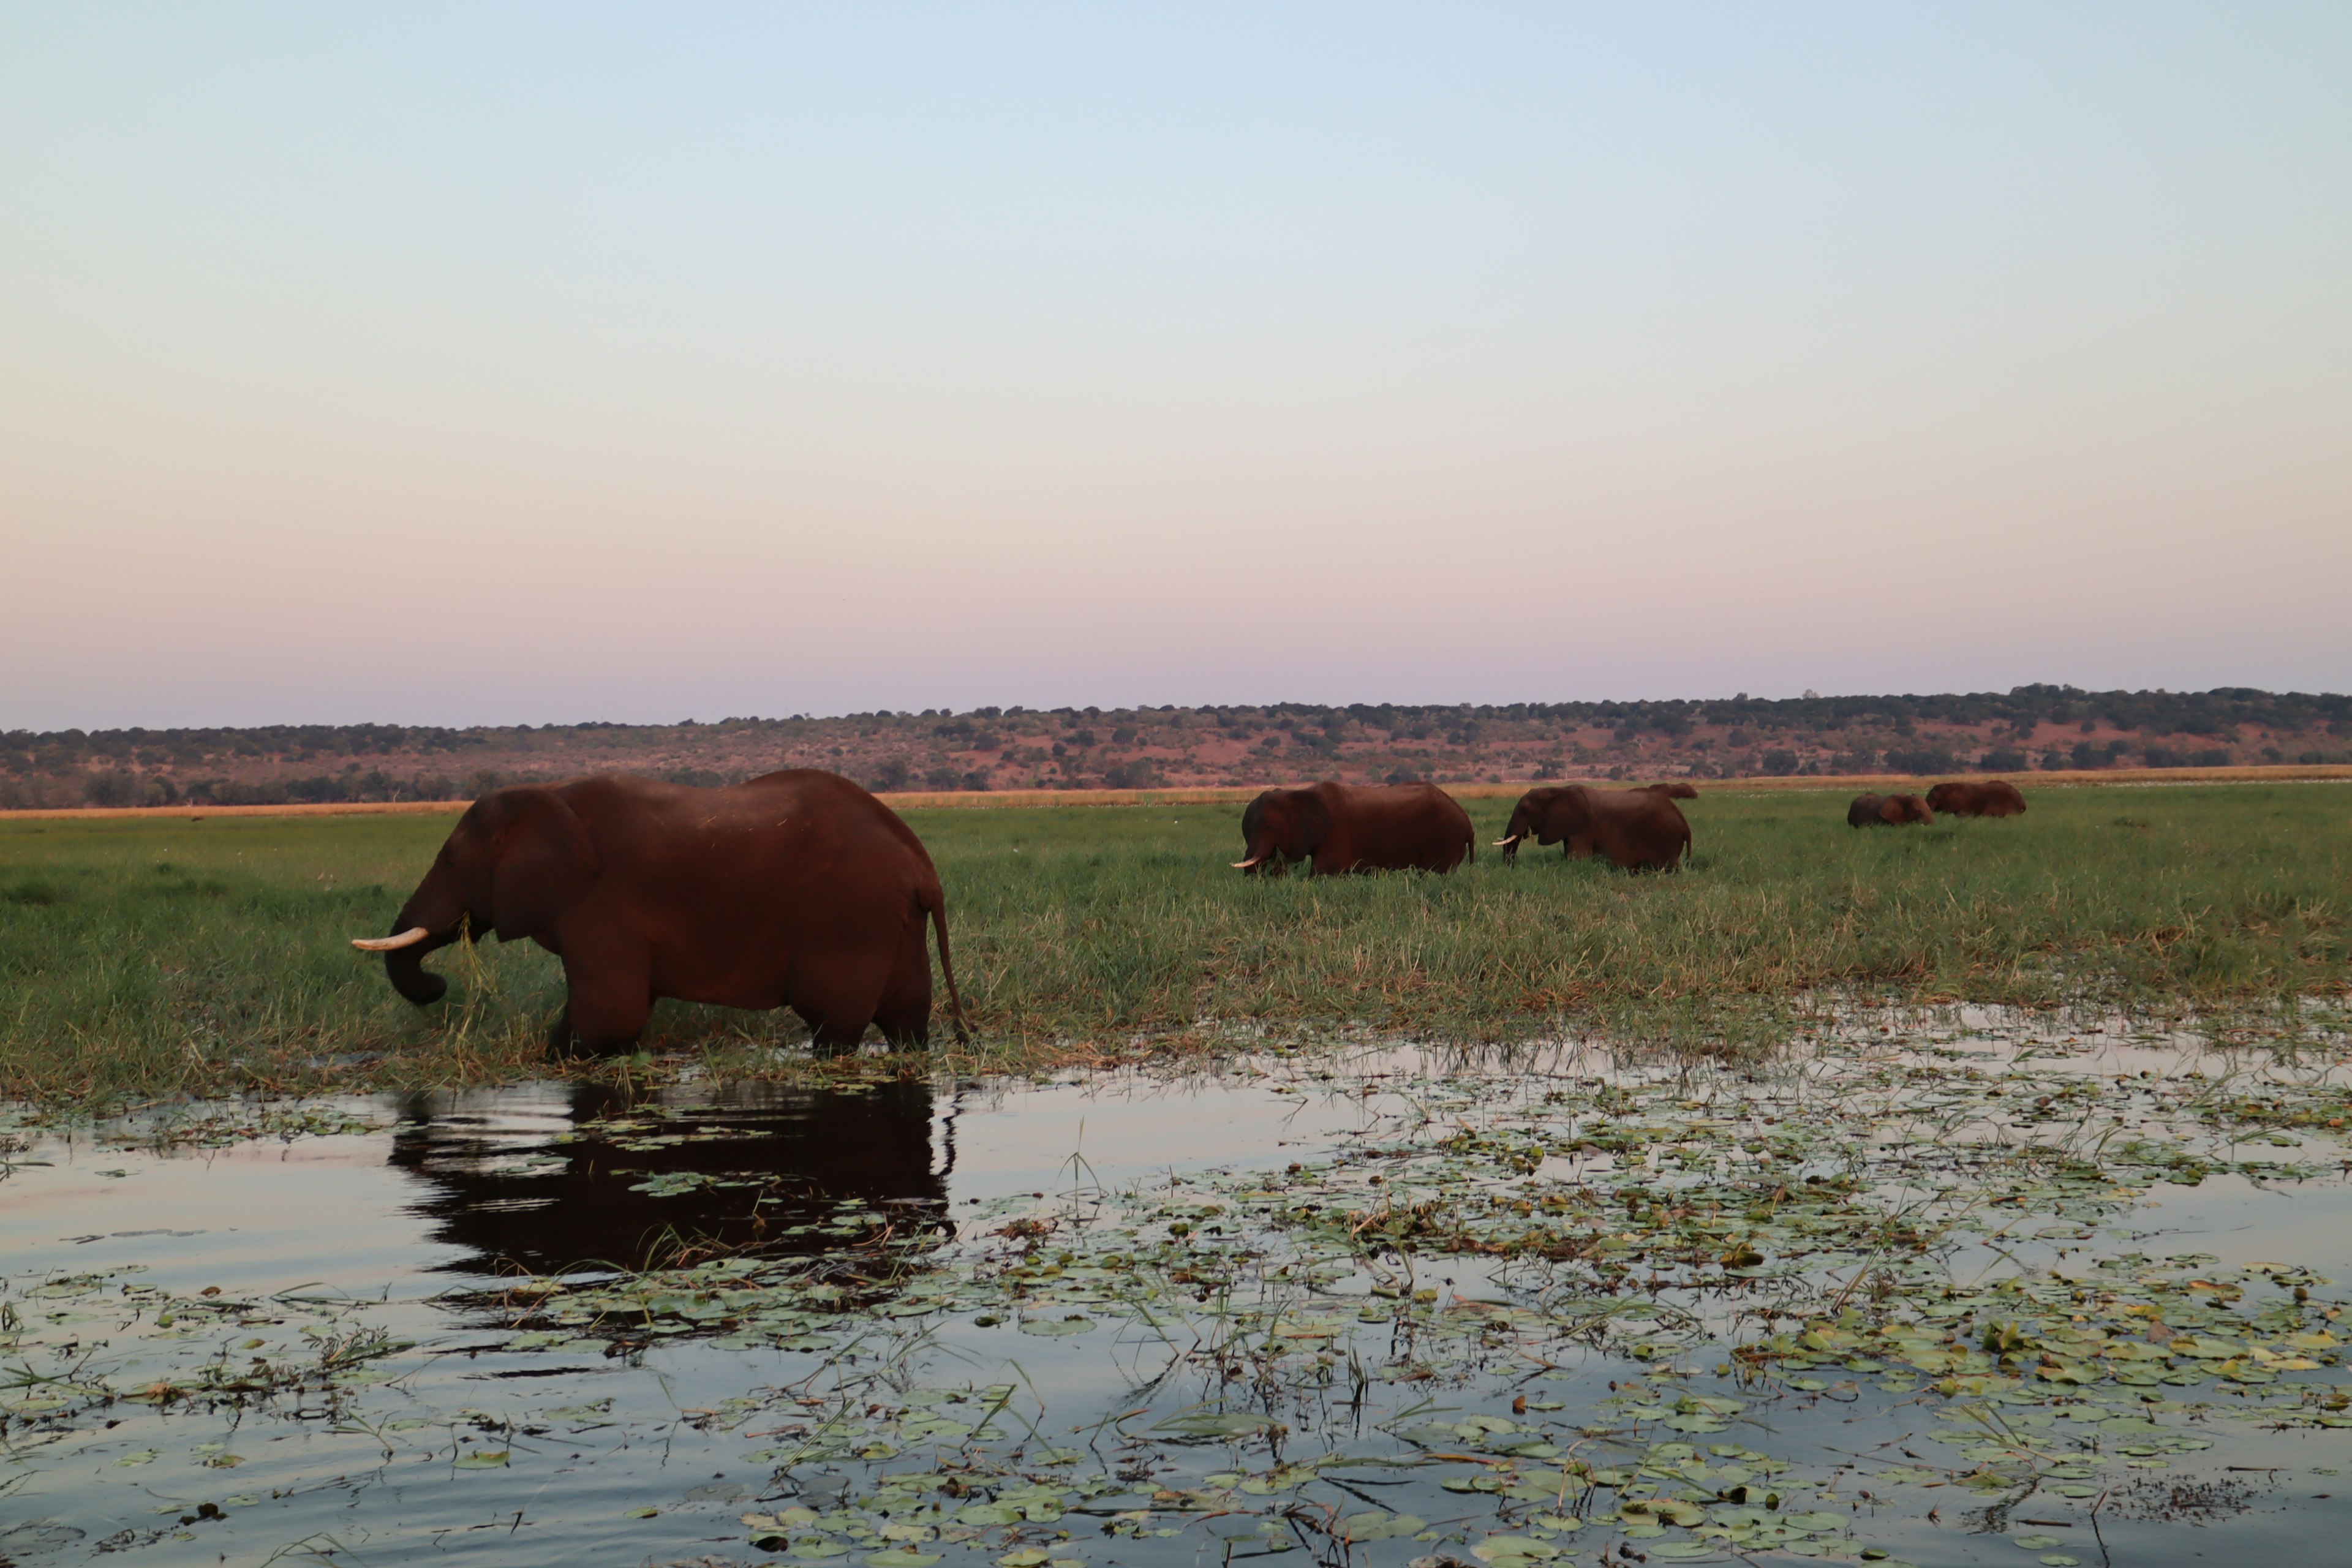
(1977, 797)
(1637, 829)
(1349, 828)
(1677, 789)
(798, 890)
(1886, 811)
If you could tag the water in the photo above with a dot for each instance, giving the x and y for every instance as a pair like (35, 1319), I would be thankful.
(362, 1361)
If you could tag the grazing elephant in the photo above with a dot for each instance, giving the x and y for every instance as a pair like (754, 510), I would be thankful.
(1637, 829)
(1677, 789)
(798, 890)
(1347, 827)
(1886, 811)
(1977, 797)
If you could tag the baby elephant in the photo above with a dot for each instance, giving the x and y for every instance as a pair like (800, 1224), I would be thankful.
(1886, 811)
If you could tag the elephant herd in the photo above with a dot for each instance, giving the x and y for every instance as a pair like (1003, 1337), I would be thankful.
(800, 890)
(1995, 798)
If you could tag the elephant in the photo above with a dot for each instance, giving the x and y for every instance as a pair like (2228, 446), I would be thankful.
(1637, 829)
(1977, 797)
(1677, 789)
(1351, 827)
(798, 890)
(1886, 811)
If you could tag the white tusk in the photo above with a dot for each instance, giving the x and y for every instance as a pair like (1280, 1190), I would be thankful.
(1246, 865)
(1507, 843)
(408, 937)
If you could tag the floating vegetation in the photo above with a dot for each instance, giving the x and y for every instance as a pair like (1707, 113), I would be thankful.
(1836, 1309)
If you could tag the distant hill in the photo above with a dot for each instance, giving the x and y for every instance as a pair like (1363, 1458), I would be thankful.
(2037, 727)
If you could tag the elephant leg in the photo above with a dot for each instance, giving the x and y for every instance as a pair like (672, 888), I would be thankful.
(904, 1016)
(836, 994)
(611, 996)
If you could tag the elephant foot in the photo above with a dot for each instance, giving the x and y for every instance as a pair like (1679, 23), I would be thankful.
(829, 1040)
(563, 1042)
(566, 1044)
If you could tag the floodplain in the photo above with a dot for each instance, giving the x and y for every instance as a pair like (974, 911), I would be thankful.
(150, 957)
(1965, 1195)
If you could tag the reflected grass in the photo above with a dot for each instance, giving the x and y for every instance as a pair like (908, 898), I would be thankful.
(152, 957)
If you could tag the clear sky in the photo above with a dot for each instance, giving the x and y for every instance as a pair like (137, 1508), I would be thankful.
(526, 364)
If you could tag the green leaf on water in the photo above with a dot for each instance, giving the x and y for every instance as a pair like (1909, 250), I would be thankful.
(1816, 1522)
(1238, 1425)
(483, 1459)
(1363, 1527)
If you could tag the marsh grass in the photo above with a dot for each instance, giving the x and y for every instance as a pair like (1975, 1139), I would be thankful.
(152, 957)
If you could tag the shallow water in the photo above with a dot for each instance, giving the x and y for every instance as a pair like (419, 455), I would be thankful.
(497, 1430)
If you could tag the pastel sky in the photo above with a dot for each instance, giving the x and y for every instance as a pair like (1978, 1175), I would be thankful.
(549, 363)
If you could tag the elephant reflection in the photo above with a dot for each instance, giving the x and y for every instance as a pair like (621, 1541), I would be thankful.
(788, 1158)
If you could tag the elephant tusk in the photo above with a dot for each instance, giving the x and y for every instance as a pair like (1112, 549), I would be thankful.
(408, 937)
(1246, 865)
(1507, 843)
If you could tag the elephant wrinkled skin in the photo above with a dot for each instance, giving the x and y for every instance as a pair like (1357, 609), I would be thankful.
(1345, 827)
(798, 890)
(1637, 829)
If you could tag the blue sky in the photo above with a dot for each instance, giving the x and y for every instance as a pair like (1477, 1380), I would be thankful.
(546, 364)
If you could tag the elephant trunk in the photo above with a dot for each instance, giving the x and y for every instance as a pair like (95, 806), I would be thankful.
(1522, 824)
(406, 969)
(434, 916)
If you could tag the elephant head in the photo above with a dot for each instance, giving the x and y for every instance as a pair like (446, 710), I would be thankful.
(1282, 826)
(1551, 815)
(515, 862)
(1949, 798)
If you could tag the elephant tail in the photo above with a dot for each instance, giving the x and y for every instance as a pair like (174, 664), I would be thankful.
(937, 904)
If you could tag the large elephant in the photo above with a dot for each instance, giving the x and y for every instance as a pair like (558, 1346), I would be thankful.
(1886, 811)
(1977, 797)
(798, 890)
(1346, 827)
(1637, 829)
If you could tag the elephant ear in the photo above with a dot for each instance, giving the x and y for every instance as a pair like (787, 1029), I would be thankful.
(1568, 813)
(545, 862)
(1314, 822)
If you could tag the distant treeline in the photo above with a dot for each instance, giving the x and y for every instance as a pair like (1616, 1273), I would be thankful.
(1093, 747)
(2219, 712)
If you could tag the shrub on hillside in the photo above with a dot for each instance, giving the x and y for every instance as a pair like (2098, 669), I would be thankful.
(1138, 774)
(1922, 760)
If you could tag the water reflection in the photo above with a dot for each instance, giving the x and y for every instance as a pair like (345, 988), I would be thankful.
(584, 1175)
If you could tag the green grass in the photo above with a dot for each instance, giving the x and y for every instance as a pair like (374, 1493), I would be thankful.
(148, 957)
